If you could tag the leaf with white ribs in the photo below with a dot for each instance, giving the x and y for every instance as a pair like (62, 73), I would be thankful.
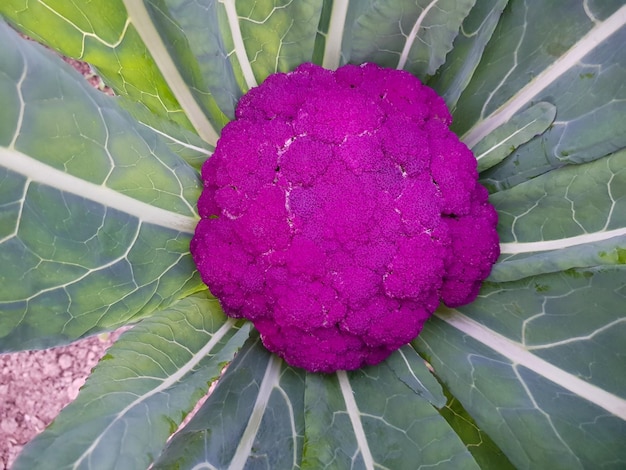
(541, 366)
(566, 55)
(97, 212)
(265, 412)
(392, 33)
(356, 420)
(571, 218)
(120, 40)
(268, 37)
(255, 414)
(155, 372)
(461, 62)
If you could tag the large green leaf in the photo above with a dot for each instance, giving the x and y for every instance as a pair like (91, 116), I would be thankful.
(561, 52)
(361, 420)
(255, 416)
(131, 56)
(266, 414)
(154, 373)
(572, 218)
(411, 35)
(543, 362)
(469, 45)
(481, 446)
(269, 37)
(97, 207)
(96, 211)
(521, 128)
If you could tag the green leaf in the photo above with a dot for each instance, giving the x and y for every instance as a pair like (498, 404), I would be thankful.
(410, 35)
(186, 144)
(568, 55)
(360, 419)
(574, 217)
(131, 56)
(175, 69)
(154, 373)
(483, 449)
(269, 37)
(461, 62)
(253, 417)
(259, 393)
(98, 213)
(411, 369)
(335, 31)
(520, 129)
(536, 370)
(190, 33)
(97, 207)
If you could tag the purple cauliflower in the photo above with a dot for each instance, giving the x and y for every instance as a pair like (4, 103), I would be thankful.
(338, 211)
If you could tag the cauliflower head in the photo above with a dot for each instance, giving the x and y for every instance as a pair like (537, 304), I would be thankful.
(338, 211)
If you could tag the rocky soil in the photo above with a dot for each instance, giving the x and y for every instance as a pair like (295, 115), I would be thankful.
(36, 385)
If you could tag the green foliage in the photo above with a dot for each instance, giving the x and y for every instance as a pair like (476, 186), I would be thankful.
(97, 207)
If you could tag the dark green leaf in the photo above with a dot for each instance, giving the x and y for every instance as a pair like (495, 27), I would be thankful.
(254, 418)
(483, 449)
(153, 374)
(370, 419)
(98, 213)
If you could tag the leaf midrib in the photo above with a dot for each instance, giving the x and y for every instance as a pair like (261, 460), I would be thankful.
(410, 40)
(572, 57)
(521, 356)
(142, 22)
(514, 248)
(167, 382)
(39, 172)
(355, 418)
(240, 48)
(270, 379)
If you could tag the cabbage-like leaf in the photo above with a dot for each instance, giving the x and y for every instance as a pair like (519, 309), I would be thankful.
(565, 55)
(468, 48)
(521, 128)
(255, 415)
(270, 415)
(541, 359)
(97, 212)
(573, 218)
(153, 374)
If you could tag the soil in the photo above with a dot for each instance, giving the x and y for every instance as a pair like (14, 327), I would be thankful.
(36, 385)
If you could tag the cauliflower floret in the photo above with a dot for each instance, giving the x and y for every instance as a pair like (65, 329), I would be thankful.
(338, 211)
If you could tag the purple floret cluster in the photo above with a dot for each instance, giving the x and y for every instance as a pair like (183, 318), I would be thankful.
(338, 211)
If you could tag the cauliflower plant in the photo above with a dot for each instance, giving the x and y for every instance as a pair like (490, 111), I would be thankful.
(338, 211)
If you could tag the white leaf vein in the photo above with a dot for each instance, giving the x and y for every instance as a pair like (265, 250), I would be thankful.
(39, 172)
(521, 356)
(572, 57)
(355, 419)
